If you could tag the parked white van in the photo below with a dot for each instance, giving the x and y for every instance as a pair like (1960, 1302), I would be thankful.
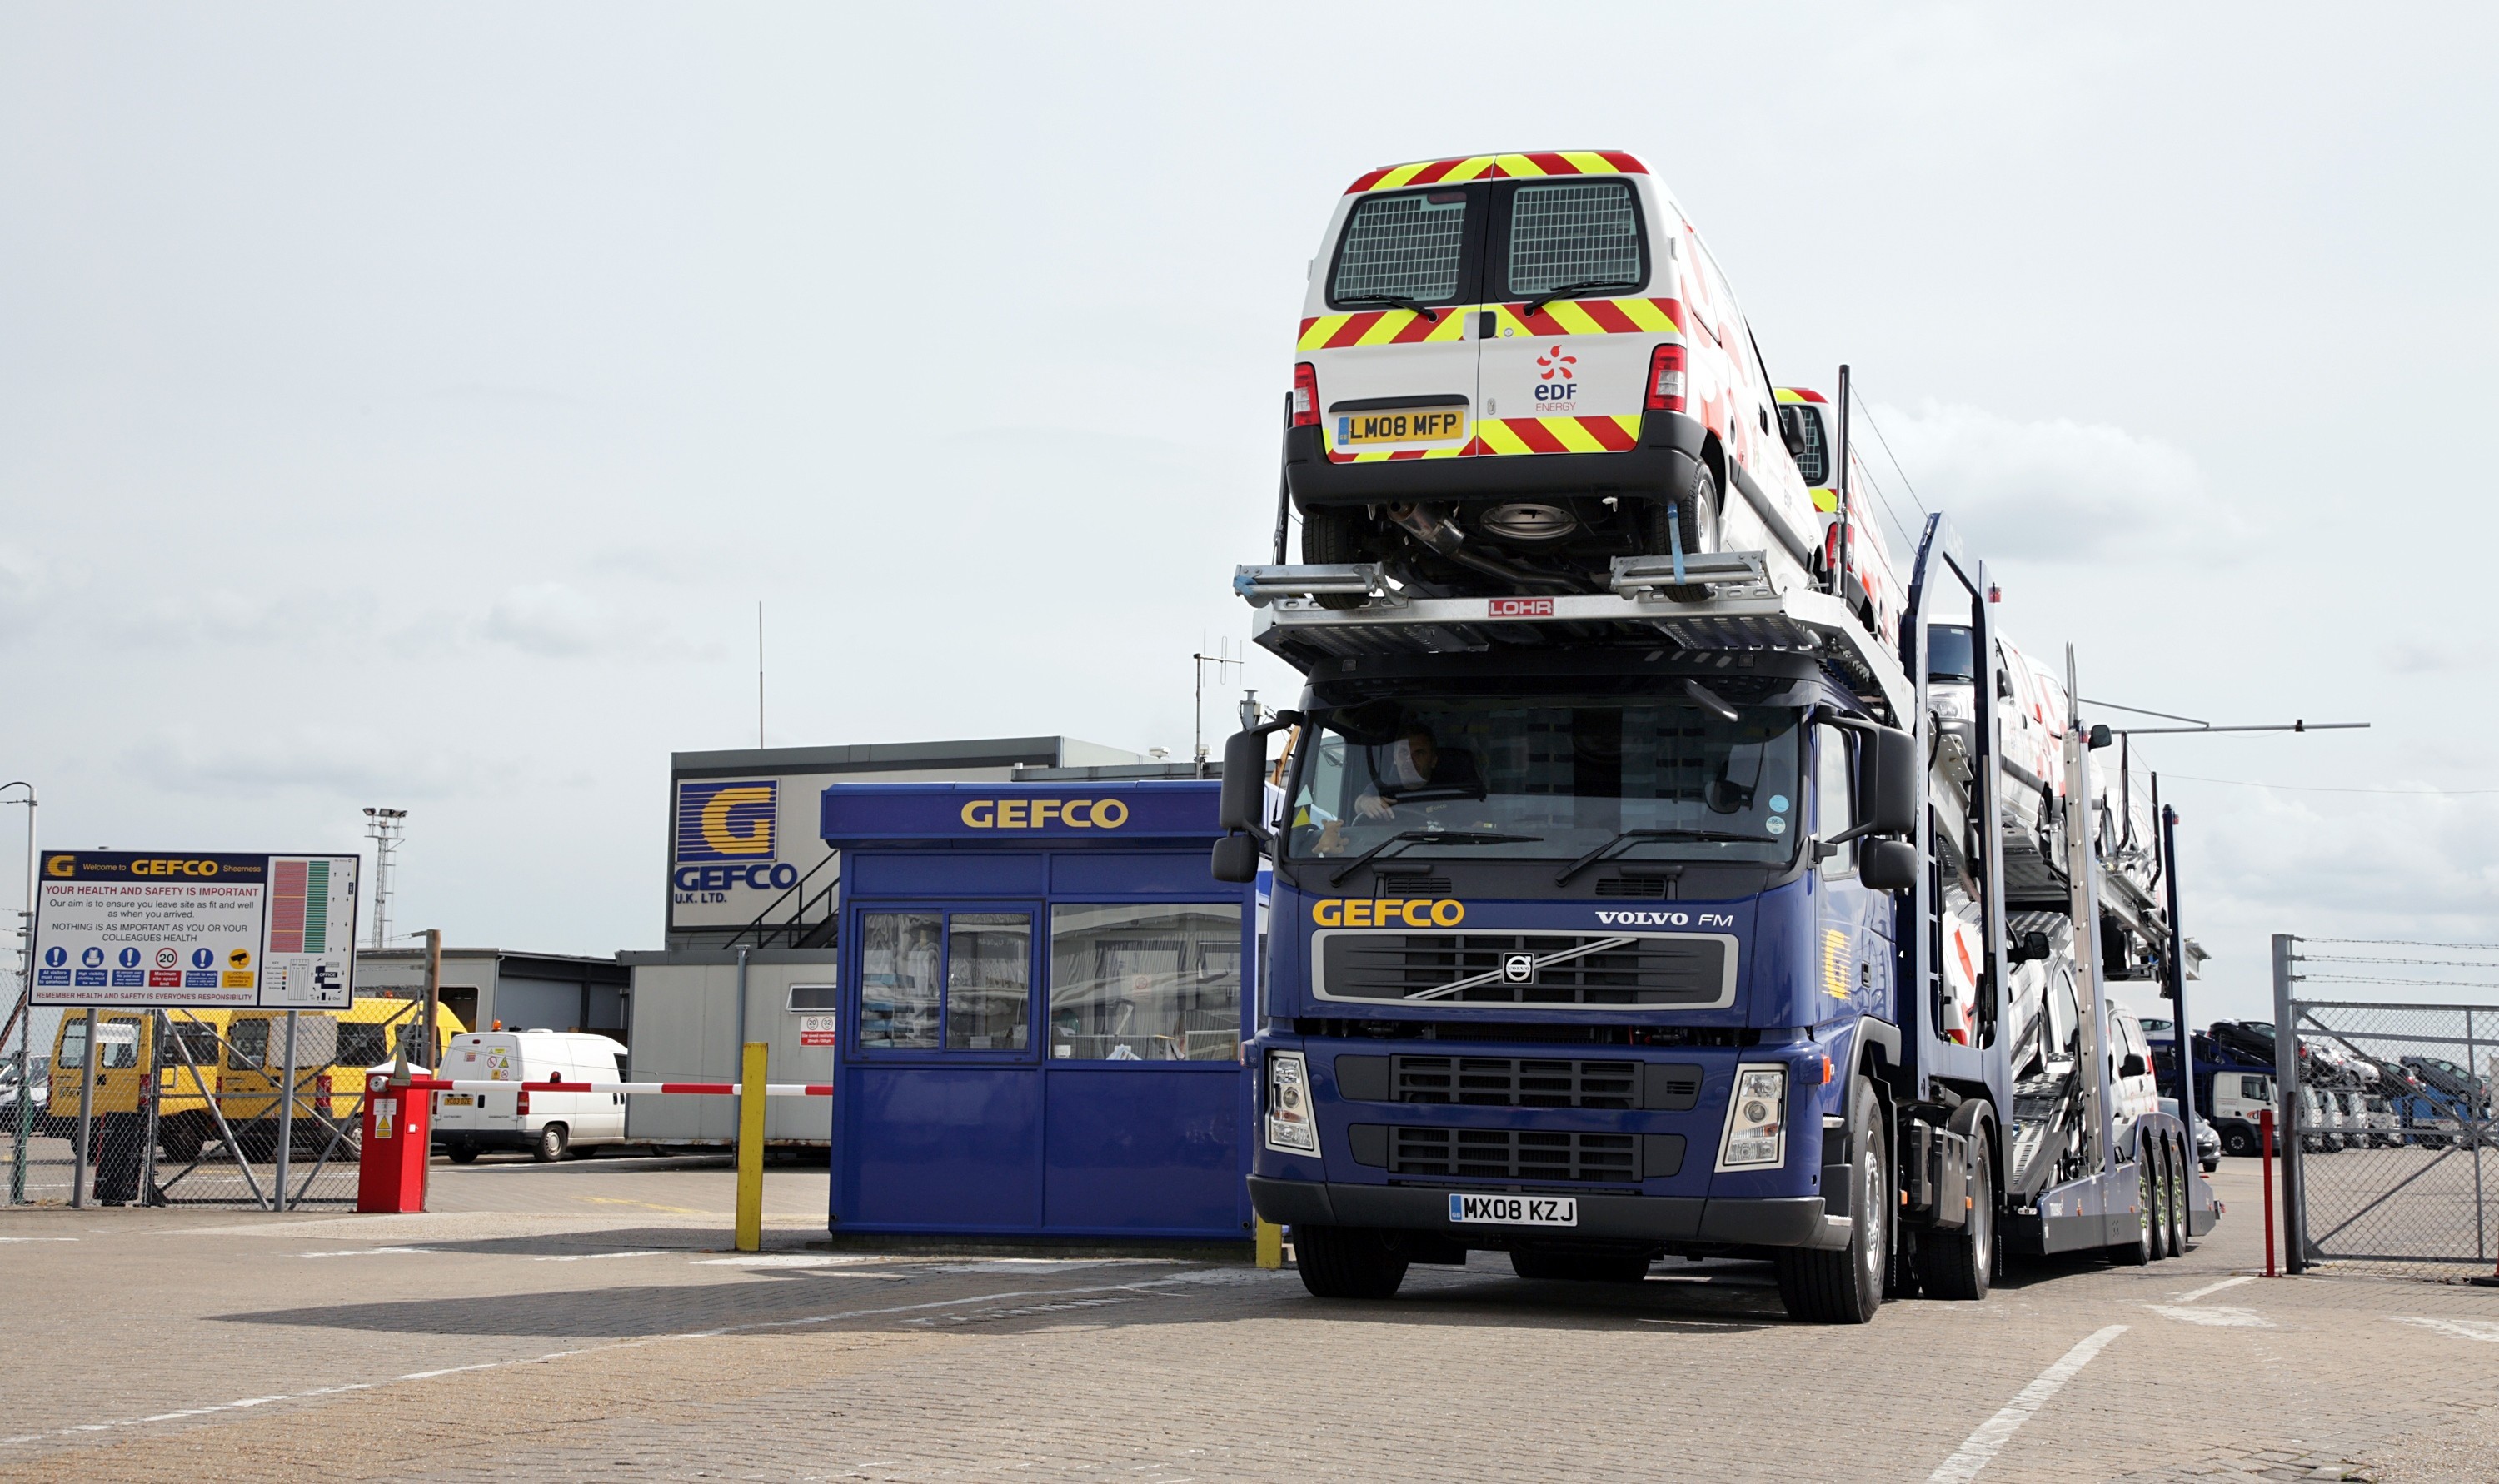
(545, 1123)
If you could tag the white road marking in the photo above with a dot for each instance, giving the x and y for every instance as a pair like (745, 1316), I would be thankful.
(785, 1259)
(38, 1239)
(1982, 1445)
(2222, 1315)
(374, 1252)
(591, 1257)
(2462, 1329)
(2213, 1288)
(801, 1322)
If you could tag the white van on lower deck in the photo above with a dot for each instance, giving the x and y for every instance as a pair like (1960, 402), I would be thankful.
(545, 1123)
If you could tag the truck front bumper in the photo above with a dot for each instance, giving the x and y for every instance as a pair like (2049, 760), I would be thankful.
(1788, 1221)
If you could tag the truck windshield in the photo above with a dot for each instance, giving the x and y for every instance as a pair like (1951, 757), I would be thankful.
(1573, 772)
(1948, 656)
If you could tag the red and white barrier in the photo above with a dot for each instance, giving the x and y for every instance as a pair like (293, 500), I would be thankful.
(559, 1085)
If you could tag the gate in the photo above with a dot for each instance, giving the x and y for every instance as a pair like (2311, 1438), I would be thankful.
(184, 1108)
(2392, 1160)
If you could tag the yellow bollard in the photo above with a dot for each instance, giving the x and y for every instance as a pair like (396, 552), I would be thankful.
(1271, 1244)
(750, 1149)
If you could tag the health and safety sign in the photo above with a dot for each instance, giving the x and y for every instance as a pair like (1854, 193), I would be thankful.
(225, 931)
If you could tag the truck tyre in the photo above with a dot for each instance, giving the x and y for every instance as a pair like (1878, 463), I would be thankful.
(551, 1145)
(1695, 511)
(1846, 1287)
(2181, 1179)
(2139, 1251)
(462, 1153)
(2240, 1139)
(1332, 536)
(1346, 1262)
(1958, 1265)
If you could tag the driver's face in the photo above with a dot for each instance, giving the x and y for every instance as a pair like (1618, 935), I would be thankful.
(1424, 754)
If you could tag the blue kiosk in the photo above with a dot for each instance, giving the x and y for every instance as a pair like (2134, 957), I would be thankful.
(1042, 1013)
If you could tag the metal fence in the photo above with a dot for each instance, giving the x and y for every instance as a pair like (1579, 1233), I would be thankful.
(2392, 1161)
(171, 1108)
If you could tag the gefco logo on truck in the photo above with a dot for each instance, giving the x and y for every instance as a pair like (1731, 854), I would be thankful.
(1388, 912)
(1041, 813)
(731, 823)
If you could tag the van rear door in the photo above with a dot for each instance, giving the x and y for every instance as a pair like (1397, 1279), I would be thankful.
(1569, 273)
(1387, 329)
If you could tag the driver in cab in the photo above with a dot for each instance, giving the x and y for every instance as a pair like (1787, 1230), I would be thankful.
(1408, 775)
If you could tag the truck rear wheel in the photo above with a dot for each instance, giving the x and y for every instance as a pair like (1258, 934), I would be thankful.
(1347, 1262)
(1846, 1287)
(2240, 1139)
(1695, 517)
(1332, 536)
(2142, 1249)
(1958, 1265)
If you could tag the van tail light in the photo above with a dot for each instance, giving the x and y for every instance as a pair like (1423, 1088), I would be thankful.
(521, 1105)
(326, 1111)
(1305, 395)
(1665, 380)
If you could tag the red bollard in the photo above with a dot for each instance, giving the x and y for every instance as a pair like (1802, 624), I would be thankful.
(2264, 1148)
(399, 1127)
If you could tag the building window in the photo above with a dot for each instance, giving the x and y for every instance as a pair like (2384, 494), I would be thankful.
(813, 999)
(1145, 982)
(959, 981)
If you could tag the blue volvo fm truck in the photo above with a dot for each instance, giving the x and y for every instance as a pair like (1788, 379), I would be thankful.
(1671, 919)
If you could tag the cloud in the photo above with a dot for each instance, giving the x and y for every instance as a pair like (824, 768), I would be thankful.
(2049, 491)
(343, 763)
(552, 621)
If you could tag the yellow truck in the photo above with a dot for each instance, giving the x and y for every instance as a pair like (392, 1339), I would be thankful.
(333, 1051)
(126, 1048)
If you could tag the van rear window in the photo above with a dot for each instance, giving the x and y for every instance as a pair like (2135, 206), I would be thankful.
(1408, 247)
(1586, 232)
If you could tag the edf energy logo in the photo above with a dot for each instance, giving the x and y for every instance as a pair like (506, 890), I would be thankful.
(727, 820)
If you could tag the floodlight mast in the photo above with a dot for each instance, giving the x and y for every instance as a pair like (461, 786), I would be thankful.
(24, 1100)
(383, 827)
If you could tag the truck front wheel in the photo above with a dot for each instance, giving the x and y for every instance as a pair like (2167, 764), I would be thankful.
(1346, 1262)
(1846, 1287)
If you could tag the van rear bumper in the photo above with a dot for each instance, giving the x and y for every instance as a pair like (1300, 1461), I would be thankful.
(485, 1138)
(1660, 464)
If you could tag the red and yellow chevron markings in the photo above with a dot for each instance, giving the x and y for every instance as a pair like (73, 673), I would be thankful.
(1563, 316)
(1499, 167)
(1381, 327)
(1555, 434)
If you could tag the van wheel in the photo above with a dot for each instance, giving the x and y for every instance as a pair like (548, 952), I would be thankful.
(1346, 1262)
(1332, 536)
(182, 1138)
(462, 1153)
(1846, 1287)
(1695, 511)
(2240, 1139)
(553, 1141)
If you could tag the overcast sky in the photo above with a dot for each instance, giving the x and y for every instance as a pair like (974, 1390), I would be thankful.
(409, 405)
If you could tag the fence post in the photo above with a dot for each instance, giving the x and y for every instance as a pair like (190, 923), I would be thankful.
(750, 1147)
(25, 1119)
(2286, 1075)
(154, 1101)
(85, 1146)
(286, 1114)
(2481, 1118)
(2264, 1152)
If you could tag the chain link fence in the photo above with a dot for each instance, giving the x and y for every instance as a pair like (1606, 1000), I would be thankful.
(184, 1108)
(2392, 1159)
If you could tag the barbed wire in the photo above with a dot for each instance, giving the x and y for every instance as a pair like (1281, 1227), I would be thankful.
(2417, 963)
(2421, 983)
(2478, 948)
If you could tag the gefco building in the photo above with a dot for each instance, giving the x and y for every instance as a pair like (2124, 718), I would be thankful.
(1007, 956)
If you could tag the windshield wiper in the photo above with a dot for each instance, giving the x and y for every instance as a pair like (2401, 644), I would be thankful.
(1436, 837)
(1399, 300)
(1629, 836)
(1568, 289)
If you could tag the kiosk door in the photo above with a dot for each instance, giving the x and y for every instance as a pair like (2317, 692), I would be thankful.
(945, 1115)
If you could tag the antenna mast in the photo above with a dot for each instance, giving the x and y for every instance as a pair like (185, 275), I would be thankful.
(384, 827)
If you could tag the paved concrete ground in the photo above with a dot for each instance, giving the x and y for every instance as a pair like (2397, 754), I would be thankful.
(581, 1320)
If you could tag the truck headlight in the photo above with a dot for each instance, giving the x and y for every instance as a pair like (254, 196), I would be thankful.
(1292, 1125)
(1757, 1124)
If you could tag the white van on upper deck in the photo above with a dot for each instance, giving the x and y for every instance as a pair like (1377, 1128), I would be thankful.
(1517, 366)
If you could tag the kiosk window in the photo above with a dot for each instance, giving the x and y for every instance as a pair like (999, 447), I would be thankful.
(988, 980)
(1144, 984)
(951, 981)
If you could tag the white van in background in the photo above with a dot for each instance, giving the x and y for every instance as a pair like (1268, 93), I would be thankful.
(544, 1123)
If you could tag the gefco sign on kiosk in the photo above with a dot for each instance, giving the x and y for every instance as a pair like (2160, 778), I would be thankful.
(213, 930)
(983, 812)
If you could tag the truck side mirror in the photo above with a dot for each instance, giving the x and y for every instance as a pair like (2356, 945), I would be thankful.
(1887, 780)
(2101, 737)
(1245, 783)
(1887, 865)
(1792, 432)
(2132, 1066)
(1235, 859)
